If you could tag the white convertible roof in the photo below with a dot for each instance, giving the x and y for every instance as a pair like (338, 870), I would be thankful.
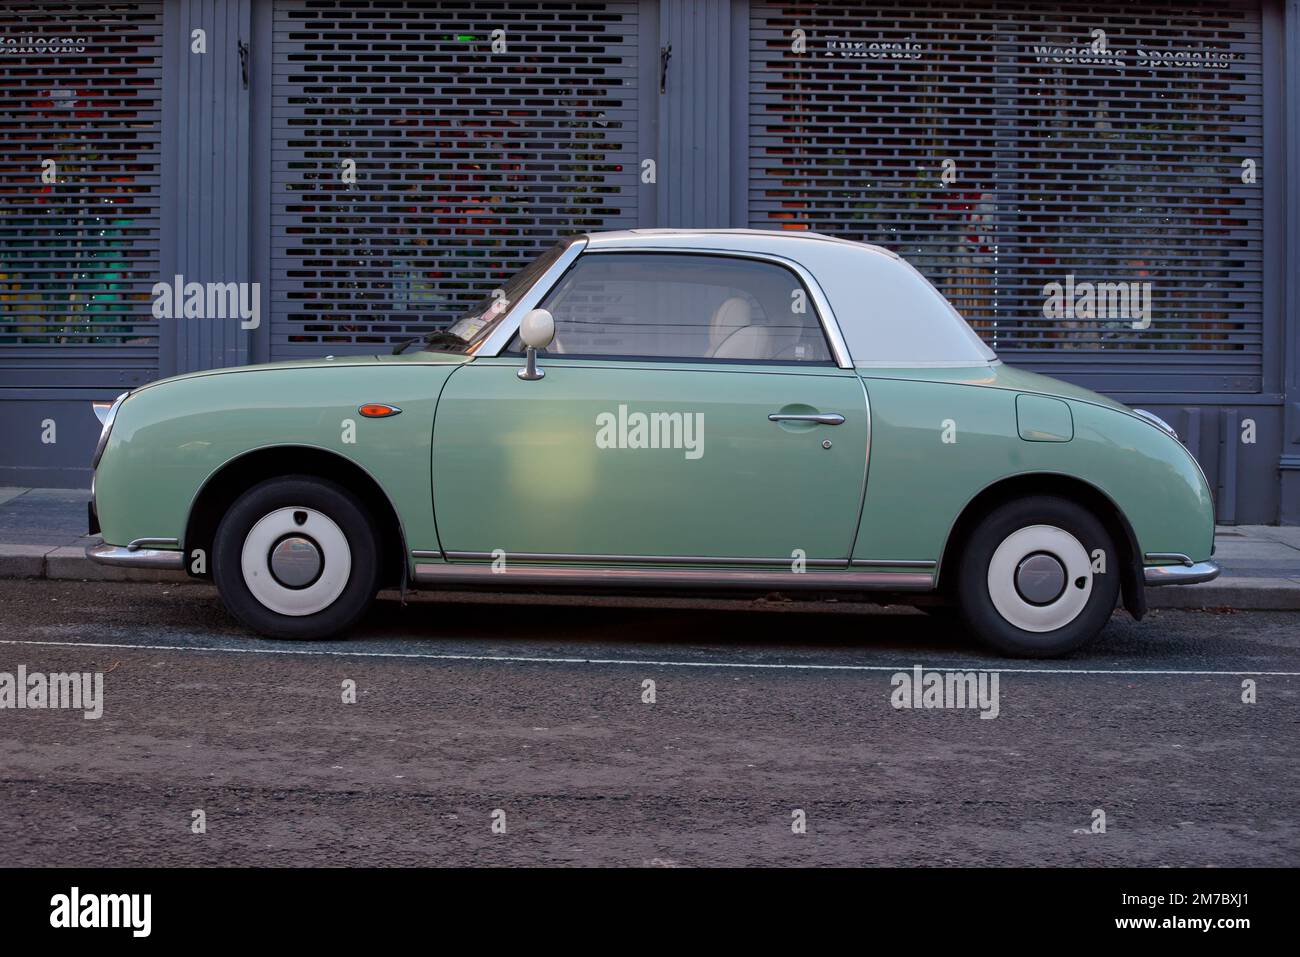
(888, 313)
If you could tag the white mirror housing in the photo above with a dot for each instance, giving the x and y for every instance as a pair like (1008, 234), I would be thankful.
(537, 330)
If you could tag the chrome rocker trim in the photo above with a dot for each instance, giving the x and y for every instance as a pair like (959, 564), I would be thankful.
(529, 558)
(718, 578)
(135, 557)
(1190, 574)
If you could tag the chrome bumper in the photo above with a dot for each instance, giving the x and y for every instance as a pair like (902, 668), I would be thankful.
(1192, 574)
(127, 557)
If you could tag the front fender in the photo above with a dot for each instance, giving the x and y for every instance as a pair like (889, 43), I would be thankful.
(170, 438)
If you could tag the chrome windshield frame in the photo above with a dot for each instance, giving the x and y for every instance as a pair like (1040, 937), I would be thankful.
(505, 330)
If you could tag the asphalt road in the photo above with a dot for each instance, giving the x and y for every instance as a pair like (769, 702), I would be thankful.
(465, 708)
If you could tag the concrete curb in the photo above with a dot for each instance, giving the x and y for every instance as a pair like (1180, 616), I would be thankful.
(69, 563)
(1246, 594)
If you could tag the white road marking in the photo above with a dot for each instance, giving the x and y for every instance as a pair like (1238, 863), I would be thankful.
(650, 663)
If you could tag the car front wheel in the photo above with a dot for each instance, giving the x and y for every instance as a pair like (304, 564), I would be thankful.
(1038, 578)
(296, 557)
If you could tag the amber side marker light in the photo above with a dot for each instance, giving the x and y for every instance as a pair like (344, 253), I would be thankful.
(378, 410)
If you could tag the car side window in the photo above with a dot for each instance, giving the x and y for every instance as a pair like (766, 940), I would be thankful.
(684, 306)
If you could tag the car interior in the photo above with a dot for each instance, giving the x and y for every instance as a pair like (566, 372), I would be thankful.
(646, 305)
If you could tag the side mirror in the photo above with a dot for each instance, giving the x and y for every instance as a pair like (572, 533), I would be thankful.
(537, 330)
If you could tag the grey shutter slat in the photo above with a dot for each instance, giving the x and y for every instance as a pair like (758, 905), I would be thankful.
(1109, 171)
(79, 257)
(469, 163)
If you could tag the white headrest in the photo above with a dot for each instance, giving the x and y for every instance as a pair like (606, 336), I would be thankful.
(733, 314)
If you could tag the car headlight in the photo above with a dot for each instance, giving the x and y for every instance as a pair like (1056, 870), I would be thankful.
(1157, 422)
(106, 413)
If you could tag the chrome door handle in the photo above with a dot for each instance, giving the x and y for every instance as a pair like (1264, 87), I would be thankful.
(822, 418)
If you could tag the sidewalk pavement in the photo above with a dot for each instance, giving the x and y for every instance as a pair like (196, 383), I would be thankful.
(43, 535)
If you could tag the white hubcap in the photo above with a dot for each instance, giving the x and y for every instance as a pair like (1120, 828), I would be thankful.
(296, 561)
(1040, 578)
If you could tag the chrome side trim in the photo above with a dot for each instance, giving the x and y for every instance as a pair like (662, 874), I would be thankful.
(866, 470)
(540, 575)
(710, 561)
(1158, 422)
(1180, 574)
(1168, 557)
(138, 543)
(549, 557)
(830, 325)
(106, 554)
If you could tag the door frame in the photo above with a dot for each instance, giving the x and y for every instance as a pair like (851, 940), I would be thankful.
(495, 344)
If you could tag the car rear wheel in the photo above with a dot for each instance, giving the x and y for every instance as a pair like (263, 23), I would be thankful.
(297, 557)
(1038, 578)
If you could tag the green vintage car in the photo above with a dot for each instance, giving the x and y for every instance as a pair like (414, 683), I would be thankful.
(714, 410)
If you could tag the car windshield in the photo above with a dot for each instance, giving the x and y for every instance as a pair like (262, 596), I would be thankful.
(472, 328)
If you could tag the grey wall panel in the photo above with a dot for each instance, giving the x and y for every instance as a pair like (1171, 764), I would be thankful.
(1285, 23)
(261, 40)
(26, 459)
(738, 161)
(695, 114)
(206, 170)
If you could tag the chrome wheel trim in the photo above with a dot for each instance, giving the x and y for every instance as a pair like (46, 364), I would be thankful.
(296, 561)
(1005, 565)
(1040, 578)
(268, 533)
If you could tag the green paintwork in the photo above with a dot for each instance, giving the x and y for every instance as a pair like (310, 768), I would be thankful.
(171, 436)
(918, 485)
(515, 465)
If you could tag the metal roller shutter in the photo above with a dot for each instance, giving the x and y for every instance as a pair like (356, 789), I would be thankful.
(468, 162)
(1071, 156)
(80, 85)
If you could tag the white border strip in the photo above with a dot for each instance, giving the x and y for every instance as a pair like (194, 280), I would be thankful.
(641, 662)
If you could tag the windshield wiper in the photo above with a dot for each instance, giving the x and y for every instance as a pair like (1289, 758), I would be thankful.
(441, 337)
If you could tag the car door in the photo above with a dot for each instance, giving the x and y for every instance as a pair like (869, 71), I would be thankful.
(690, 409)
